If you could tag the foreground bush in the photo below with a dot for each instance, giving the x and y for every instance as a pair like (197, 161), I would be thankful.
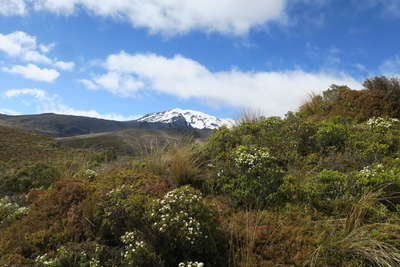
(251, 176)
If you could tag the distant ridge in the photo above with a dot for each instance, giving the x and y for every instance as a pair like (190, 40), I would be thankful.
(57, 125)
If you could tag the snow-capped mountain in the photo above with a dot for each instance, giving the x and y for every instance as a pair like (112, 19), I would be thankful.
(191, 118)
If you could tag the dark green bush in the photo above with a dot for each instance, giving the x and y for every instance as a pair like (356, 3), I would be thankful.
(39, 175)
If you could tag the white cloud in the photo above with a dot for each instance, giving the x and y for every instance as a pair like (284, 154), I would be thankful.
(33, 72)
(7, 111)
(52, 104)
(46, 48)
(37, 93)
(118, 83)
(26, 48)
(12, 7)
(17, 43)
(391, 67)
(62, 65)
(179, 16)
(274, 92)
(34, 56)
(89, 84)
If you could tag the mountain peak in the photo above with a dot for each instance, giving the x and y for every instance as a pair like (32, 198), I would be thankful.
(192, 118)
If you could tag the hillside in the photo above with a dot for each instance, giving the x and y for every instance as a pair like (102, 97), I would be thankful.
(21, 146)
(318, 187)
(133, 141)
(60, 125)
(56, 125)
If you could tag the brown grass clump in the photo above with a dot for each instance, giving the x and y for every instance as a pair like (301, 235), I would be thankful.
(249, 116)
(178, 163)
(265, 238)
(354, 241)
(183, 165)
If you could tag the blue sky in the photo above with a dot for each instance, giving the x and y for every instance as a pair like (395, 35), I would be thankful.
(121, 59)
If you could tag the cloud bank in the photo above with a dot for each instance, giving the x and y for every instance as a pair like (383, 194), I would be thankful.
(33, 72)
(46, 103)
(169, 17)
(12, 7)
(274, 92)
(25, 47)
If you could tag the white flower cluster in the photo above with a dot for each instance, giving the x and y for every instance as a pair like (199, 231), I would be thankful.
(95, 262)
(191, 264)
(133, 246)
(175, 213)
(45, 260)
(251, 159)
(370, 171)
(10, 211)
(62, 254)
(382, 123)
(90, 174)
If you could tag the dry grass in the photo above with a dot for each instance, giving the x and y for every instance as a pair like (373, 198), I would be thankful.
(177, 162)
(242, 246)
(311, 105)
(249, 116)
(183, 165)
(360, 242)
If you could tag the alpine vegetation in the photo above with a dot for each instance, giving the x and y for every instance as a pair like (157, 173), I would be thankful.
(317, 187)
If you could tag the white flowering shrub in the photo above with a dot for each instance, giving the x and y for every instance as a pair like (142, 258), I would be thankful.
(251, 160)
(10, 212)
(188, 225)
(87, 174)
(137, 252)
(382, 123)
(46, 260)
(175, 213)
(70, 257)
(251, 176)
(121, 209)
(377, 175)
(191, 264)
(90, 174)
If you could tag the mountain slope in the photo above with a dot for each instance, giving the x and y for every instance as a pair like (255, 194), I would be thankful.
(132, 141)
(56, 125)
(20, 146)
(60, 125)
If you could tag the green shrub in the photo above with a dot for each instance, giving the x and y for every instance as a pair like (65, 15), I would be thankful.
(82, 255)
(331, 136)
(137, 252)
(251, 177)
(39, 175)
(330, 185)
(379, 176)
(123, 208)
(10, 212)
(186, 228)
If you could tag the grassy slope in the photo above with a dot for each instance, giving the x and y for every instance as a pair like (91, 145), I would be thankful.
(60, 125)
(130, 141)
(21, 146)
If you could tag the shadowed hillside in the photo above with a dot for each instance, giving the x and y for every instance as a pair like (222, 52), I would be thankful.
(61, 125)
(56, 125)
(133, 141)
(20, 146)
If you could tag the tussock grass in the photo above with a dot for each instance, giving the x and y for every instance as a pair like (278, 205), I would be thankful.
(249, 116)
(177, 162)
(242, 248)
(359, 241)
